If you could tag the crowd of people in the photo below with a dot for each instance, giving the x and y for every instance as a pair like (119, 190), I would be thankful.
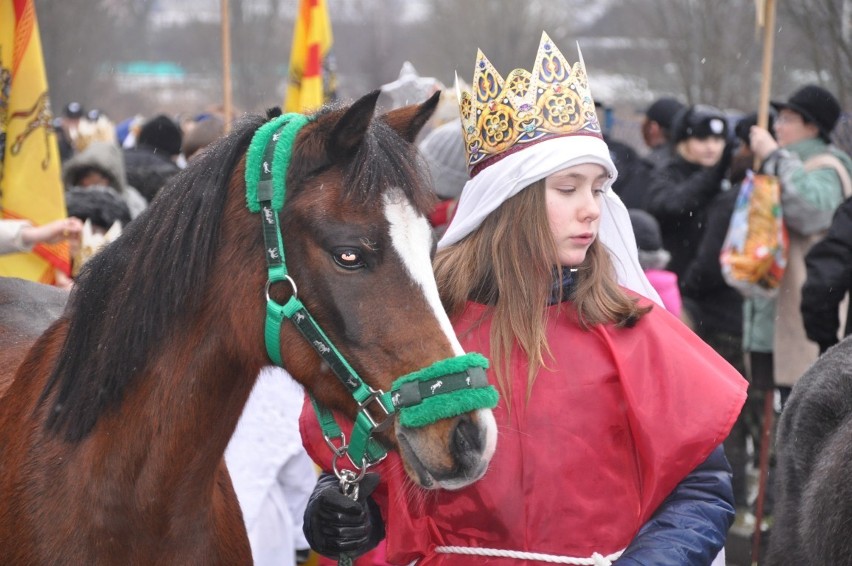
(589, 272)
(110, 173)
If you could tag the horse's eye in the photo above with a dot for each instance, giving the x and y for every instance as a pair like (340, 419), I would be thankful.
(348, 258)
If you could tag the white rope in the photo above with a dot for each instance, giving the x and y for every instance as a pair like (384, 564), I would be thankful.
(595, 560)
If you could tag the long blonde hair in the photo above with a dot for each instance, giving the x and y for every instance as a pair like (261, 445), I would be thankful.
(508, 264)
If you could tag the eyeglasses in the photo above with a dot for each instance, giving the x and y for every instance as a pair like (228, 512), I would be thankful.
(789, 119)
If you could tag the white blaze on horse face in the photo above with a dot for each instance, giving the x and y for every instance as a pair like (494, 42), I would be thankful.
(412, 239)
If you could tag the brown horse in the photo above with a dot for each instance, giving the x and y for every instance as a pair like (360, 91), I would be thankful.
(113, 429)
(813, 494)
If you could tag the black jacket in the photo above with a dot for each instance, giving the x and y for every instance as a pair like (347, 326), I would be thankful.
(829, 278)
(633, 173)
(715, 306)
(678, 196)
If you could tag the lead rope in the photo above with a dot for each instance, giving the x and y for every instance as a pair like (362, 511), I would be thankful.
(595, 560)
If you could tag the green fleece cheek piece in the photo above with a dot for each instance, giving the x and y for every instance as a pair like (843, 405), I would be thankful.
(445, 389)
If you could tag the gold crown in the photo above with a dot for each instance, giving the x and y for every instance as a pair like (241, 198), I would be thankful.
(500, 116)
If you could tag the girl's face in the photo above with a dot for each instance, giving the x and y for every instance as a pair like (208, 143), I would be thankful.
(573, 198)
(704, 151)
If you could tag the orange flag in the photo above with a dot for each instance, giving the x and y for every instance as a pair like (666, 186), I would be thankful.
(311, 79)
(30, 170)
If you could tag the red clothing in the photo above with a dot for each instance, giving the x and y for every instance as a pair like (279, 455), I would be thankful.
(583, 464)
(442, 213)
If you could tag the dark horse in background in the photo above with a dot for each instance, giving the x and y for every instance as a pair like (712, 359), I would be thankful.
(813, 506)
(114, 421)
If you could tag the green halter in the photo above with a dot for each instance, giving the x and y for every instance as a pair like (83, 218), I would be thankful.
(445, 389)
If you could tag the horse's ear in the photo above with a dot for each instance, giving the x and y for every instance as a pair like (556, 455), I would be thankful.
(348, 132)
(409, 120)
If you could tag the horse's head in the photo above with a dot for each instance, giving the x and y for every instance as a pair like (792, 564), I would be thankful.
(358, 247)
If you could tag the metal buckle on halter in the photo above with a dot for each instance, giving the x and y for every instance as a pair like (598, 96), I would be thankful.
(343, 446)
(362, 408)
(269, 283)
(351, 476)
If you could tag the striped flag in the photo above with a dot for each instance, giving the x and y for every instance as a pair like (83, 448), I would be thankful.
(311, 79)
(30, 170)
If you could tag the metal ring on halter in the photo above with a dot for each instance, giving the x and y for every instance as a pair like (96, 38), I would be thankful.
(292, 284)
(362, 471)
(337, 451)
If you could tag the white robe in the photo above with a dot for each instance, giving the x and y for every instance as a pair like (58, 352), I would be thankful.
(271, 472)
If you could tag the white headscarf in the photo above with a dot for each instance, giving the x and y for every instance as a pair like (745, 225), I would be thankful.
(500, 181)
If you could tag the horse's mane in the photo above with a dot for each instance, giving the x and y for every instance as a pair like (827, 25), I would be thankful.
(128, 296)
(122, 301)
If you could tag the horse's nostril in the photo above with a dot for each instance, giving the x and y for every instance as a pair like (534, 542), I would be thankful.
(467, 438)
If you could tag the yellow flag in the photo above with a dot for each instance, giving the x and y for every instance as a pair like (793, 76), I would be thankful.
(311, 79)
(30, 171)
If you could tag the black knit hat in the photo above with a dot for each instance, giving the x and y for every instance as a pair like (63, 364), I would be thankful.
(647, 230)
(663, 111)
(816, 105)
(699, 121)
(161, 134)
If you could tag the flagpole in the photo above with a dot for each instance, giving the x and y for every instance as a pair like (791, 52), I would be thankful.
(226, 64)
(767, 17)
(766, 70)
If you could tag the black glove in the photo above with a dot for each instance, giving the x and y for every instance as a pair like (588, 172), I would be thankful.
(335, 523)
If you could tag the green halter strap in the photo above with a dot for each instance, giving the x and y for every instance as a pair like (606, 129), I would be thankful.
(266, 172)
(445, 389)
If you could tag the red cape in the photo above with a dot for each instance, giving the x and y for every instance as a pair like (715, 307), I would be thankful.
(583, 464)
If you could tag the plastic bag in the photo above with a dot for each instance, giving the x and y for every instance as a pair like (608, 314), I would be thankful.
(754, 255)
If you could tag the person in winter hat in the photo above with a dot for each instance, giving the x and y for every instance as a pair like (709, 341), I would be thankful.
(654, 259)
(656, 130)
(443, 151)
(680, 191)
(101, 164)
(152, 162)
(815, 177)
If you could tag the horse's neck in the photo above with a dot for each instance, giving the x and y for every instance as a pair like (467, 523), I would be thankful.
(174, 423)
(149, 471)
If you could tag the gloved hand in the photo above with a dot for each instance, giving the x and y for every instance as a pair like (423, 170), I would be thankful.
(336, 524)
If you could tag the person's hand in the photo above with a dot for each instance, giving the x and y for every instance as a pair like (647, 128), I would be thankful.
(52, 232)
(761, 141)
(62, 281)
(336, 524)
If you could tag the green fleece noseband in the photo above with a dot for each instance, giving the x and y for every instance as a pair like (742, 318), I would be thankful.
(445, 389)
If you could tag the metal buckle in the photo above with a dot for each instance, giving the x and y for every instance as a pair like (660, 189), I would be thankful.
(337, 451)
(269, 283)
(362, 408)
(341, 473)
